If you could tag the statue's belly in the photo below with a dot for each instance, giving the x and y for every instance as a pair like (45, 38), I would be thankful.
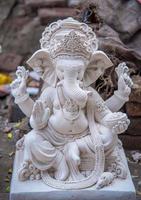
(64, 126)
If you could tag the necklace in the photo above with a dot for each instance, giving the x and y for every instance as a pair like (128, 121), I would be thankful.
(70, 109)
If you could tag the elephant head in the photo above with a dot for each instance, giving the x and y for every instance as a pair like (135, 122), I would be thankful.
(70, 70)
(74, 73)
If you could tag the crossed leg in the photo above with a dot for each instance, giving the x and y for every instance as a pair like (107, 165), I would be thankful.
(43, 155)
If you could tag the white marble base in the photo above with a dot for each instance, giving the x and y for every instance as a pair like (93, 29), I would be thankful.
(37, 190)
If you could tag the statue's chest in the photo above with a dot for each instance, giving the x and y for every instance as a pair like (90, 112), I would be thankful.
(68, 118)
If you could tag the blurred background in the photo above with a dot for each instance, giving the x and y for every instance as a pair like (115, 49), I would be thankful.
(117, 25)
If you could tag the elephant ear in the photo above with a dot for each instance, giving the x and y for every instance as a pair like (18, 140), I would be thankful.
(98, 60)
(40, 61)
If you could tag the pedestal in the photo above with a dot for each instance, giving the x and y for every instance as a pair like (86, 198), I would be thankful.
(37, 190)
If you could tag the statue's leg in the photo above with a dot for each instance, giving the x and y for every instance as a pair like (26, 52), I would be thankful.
(87, 151)
(72, 155)
(43, 155)
(113, 160)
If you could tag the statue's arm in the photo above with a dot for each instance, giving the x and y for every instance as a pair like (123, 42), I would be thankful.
(19, 92)
(121, 96)
(42, 109)
(25, 104)
(100, 108)
(116, 121)
(115, 102)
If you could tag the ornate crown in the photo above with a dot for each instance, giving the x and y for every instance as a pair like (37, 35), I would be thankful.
(71, 45)
(76, 39)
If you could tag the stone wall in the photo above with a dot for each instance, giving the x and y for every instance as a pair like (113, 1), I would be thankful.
(132, 138)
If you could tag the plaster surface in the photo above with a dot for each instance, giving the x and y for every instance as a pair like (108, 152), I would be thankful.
(74, 142)
(37, 189)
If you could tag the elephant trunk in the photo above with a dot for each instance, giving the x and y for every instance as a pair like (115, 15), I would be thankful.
(72, 88)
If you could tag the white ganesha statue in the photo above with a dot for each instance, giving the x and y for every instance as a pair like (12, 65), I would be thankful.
(74, 139)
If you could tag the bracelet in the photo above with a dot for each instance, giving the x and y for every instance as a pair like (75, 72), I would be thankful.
(22, 98)
(118, 95)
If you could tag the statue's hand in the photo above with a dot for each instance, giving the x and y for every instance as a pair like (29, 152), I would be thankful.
(125, 83)
(118, 122)
(18, 86)
(121, 126)
(39, 116)
(123, 88)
